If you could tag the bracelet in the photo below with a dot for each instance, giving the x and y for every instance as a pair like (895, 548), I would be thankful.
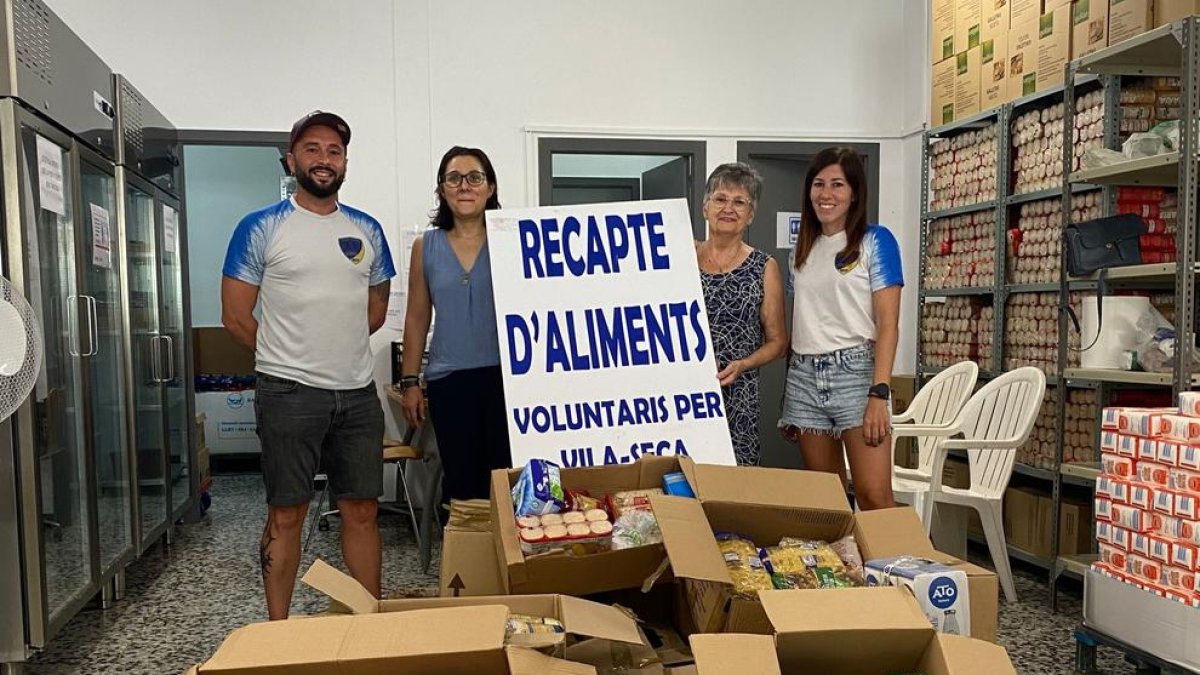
(408, 381)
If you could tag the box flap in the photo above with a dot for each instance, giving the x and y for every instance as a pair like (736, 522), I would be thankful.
(468, 565)
(592, 619)
(735, 653)
(683, 670)
(504, 530)
(831, 609)
(340, 587)
(449, 630)
(954, 654)
(891, 532)
(302, 647)
(529, 662)
(786, 488)
(689, 539)
(533, 605)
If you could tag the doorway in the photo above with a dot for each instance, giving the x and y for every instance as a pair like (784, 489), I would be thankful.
(783, 166)
(596, 170)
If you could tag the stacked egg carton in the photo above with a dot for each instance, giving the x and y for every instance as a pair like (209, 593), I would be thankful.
(1039, 450)
(961, 251)
(1031, 332)
(959, 329)
(1089, 126)
(1035, 243)
(1037, 139)
(963, 169)
(1148, 499)
(1079, 441)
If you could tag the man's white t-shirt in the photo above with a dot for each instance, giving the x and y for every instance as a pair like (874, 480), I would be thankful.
(832, 302)
(313, 273)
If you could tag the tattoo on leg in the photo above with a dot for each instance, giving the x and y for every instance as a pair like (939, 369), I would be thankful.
(264, 554)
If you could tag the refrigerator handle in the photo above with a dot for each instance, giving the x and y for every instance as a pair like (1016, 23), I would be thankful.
(155, 360)
(170, 357)
(72, 334)
(93, 326)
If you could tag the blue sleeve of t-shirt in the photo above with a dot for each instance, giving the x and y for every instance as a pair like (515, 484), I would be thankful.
(382, 268)
(885, 269)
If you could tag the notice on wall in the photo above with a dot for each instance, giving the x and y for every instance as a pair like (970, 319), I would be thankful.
(398, 302)
(604, 339)
(787, 228)
(170, 229)
(50, 176)
(101, 237)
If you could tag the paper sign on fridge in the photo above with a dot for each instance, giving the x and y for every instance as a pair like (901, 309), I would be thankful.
(604, 338)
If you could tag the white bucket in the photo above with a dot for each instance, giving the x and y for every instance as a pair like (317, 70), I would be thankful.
(1118, 335)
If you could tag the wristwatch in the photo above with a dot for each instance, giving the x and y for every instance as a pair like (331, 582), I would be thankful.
(880, 391)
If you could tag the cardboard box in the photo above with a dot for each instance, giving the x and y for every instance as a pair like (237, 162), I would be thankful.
(561, 573)
(942, 30)
(956, 473)
(1141, 619)
(1024, 11)
(229, 425)
(1024, 521)
(1127, 18)
(1166, 11)
(1022, 59)
(1090, 31)
(583, 620)
(215, 352)
(1074, 527)
(968, 14)
(941, 592)
(769, 504)
(468, 566)
(851, 631)
(1054, 46)
(966, 83)
(941, 109)
(1051, 5)
(203, 462)
(904, 387)
(995, 21)
(993, 71)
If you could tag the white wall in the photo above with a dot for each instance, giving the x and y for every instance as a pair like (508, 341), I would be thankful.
(414, 77)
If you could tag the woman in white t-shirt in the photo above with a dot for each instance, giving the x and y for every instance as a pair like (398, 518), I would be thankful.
(846, 276)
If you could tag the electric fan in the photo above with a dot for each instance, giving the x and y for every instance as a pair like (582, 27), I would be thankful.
(20, 349)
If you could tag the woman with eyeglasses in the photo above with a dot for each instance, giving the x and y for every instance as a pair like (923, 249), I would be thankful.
(450, 273)
(846, 276)
(743, 294)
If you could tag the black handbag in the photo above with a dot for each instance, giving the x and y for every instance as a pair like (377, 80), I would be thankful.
(1103, 243)
(1097, 245)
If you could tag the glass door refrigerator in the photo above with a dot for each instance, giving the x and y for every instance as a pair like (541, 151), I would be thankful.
(158, 321)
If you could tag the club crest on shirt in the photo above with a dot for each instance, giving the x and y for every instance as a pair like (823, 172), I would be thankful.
(352, 248)
(846, 263)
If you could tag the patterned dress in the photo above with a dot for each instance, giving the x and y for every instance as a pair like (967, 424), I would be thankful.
(734, 303)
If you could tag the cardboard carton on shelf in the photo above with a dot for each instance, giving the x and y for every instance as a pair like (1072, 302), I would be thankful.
(941, 108)
(1054, 46)
(1090, 32)
(769, 504)
(1024, 11)
(850, 631)
(966, 83)
(968, 16)
(1128, 18)
(941, 30)
(1167, 11)
(993, 72)
(1023, 59)
(996, 16)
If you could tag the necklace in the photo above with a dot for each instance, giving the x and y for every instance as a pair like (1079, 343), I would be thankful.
(727, 265)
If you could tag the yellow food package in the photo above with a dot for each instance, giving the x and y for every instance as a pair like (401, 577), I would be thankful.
(803, 563)
(745, 565)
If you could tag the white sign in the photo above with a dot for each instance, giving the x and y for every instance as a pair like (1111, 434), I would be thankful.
(787, 228)
(604, 338)
(398, 302)
(170, 229)
(101, 237)
(50, 176)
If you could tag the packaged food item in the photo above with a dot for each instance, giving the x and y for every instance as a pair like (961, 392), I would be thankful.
(745, 565)
(601, 527)
(555, 531)
(847, 550)
(1184, 480)
(1114, 465)
(551, 519)
(1189, 403)
(1167, 453)
(1143, 568)
(572, 518)
(529, 521)
(580, 500)
(1189, 457)
(1109, 440)
(1153, 473)
(635, 527)
(1164, 501)
(941, 592)
(1141, 421)
(1134, 519)
(1112, 534)
(1127, 446)
(619, 502)
(1186, 506)
(578, 530)
(1141, 495)
(803, 563)
(1179, 428)
(675, 483)
(595, 515)
(532, 535)
(535, 632)
(539, 489)
(1111, 555)
(1112, 488)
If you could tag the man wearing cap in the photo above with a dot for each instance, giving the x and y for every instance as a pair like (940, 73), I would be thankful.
(319, 273)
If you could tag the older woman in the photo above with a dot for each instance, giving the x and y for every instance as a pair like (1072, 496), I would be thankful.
(743, 293)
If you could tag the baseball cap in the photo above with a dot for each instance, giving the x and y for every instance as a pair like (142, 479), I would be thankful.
(323, 118)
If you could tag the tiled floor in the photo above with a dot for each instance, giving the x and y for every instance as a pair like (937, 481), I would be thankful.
(182, 601)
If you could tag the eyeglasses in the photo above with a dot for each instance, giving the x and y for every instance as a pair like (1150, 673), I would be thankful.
(454, 178)
(737, 203)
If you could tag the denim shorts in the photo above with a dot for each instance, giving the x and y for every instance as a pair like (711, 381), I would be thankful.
(302, 428)
(826, 394)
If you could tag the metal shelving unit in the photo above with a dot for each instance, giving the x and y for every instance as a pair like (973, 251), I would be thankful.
(1166, 51)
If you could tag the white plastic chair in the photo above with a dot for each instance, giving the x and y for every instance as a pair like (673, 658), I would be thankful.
(991, 426)
(936, 403)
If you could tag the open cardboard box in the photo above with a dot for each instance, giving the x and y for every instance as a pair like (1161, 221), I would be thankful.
(561, 573)
(769, 504)
(850, 631)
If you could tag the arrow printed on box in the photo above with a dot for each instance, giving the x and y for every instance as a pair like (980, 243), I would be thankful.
(457, 585)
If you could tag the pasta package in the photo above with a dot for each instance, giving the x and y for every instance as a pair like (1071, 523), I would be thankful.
(745, 566)
(639, 500)
(803, 563)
